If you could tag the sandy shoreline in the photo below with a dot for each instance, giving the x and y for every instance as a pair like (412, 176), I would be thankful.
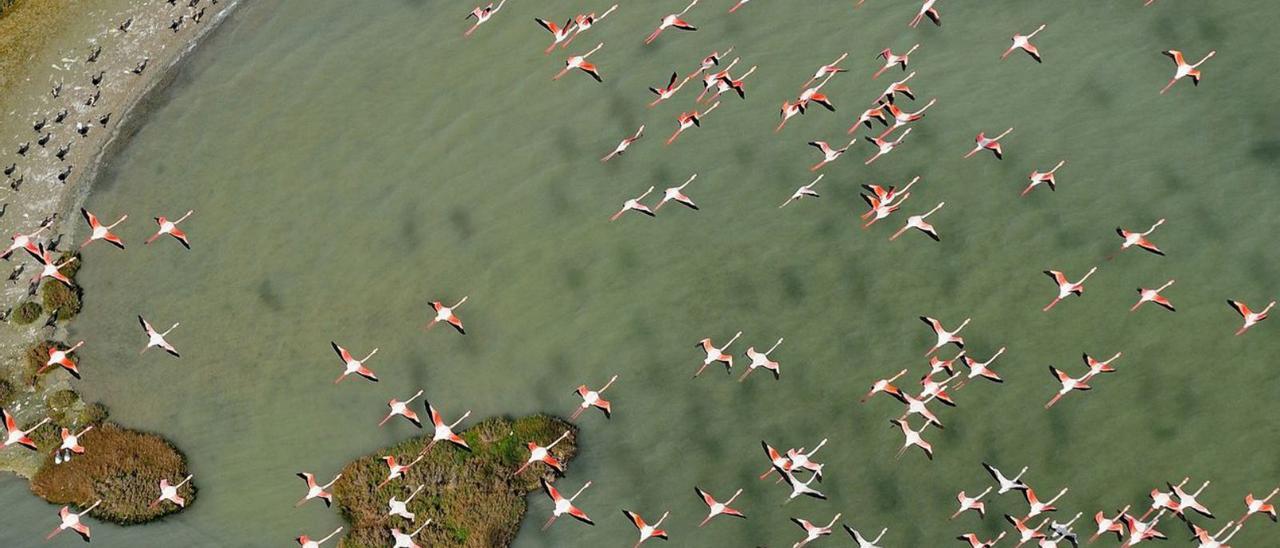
(39, 192)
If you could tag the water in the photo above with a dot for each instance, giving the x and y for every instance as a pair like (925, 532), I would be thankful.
(349, 165)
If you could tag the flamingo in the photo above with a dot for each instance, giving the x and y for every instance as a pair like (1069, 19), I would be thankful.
(50, 267)
(1255, 505)
(559, 34)
(881, 209)
(917, 222)
(70, 444)
(944, 337)
(481, 15)
(895, 88)
(585, 22)
(927, 10)
(353, 365)
(538, 453)
(937, 365)
(815, 95)
(777, 461)
(711, 60)
(171, 228)
(443, 431)
(761, 359)
(591, 398)
(1005, 484)
(738, 5)
(634, 205)
(813, 532)
(1217, 540)
(1162, 501)
(806, 190)
(1035, 507)
(169, 492)
(15, 436)
(992, 144)
(401, 408)
(827, 70)
(1109, 525)
(1251, 318)
(883, 385)
(912, 437)
(395, 469)
(71, 520)
(714, 354)
(972, 503)
(306, 542)
(715, 508)
(975, 542)
(673, 20)
(580, 62)
(801, 460)
(1184, 70)
(890, 59)
(884, 147)
(690, 119)
(789, 111)
(315, 490)
(935, 389)
(1024, 43)
(727, 82)
(156, 339)
(624, 145)
(1140, 530)
(917, 406)
(861, 540)
(647, 531)
(711, 79)
(1188, 500)
(564, 505)
(60, 357)
(884, 195)
(801, 488)
(1066, 288)
(676, 193)
(445, 314)
(901, 118)
(1060, 532)
(1047, 178)
(405, 540)
(397, 507)
(1153, 296)
(1026, 533)
(980, 369)
(98, 231)
(1140, 238)
(874, 113)
(669, 91)
(25, 241)
(1068, 384)
(828, 154)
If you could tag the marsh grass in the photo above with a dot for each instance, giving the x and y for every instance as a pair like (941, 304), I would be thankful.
(473, 498)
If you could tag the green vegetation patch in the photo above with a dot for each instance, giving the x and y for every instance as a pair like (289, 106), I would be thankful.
(473, 498)
(27, 312)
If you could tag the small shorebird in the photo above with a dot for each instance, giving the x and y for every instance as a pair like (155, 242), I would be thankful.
(1251, 318)
(1005, 484)
(883, 385)
(944, 337)
(972, 503)
(912, 437)
(647, 531)
(98, 231)
(315, 490)
(690, 119)
(927, 10)
(559, 34)
(564, 505)
(402, 408)
(992, 144)
(50, 267)
(864, 542)
(306, 542)
(806, 190)
(975, 542)
(70, 445)
(673, 20)
(1256, 505)
(71, 520)
(624, 145)
(16, 436)
(634, 204)
(676, 193)
(715, 508)
(397, 507)
(405, 540)
(1109, 525)
(1153, 296)
(669, 91)
(813, 532)
(482, 14)
(445, 314)
(580, 62)
(890, 59)
(171, 228)
(1066, 288)
(884, 147)
(591, 398)
(538, 453)
(1184, 69)
(395, 469)
(1068, 384)
(827, 70)
(443, 431)
(714, 354)
(917, 222)
(1047, 178)
(1139, 238)
(156, 339)
(353, 365)
(169, 492)
(761, 359)
(1024, 43)
(61, 357)
(585, 21)
(828, 154)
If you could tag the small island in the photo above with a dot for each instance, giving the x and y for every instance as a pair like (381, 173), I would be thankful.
(473, 498)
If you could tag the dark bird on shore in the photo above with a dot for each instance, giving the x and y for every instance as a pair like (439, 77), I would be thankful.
(62, 151)
(31, 288)
(93, 99)
(4, 207)
(23, 148)
(177, 23)
(97, 79)
(15, 183)
(62, 176)
(5, 316)
(17, 272)
(44, 140)
(52, 322)
(56, 91)
(9, 170)
(141, 66)
(194, 3)
(54, 243)
(40, 124)
(48, 221)
(124, 27)
(62, 115)
(102, 121)
(83, 128)
(198, 16)
(93, 54)
(172, 2)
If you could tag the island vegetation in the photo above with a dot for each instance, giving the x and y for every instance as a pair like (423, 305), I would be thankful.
(474, 498)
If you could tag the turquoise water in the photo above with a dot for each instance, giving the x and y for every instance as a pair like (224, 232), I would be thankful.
(349, 165)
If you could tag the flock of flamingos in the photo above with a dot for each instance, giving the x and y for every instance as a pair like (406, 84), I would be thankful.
(795, 467)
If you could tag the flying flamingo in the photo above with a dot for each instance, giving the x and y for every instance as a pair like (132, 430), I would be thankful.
(801, 488)
(675, 193)
(405, 540)
(60, 357)
(715, 508)
(789, 111)
(634, 204)
(884, 195)
(1035, 507)
(935, 389)
(1188, 500)
(912, 437)
(881, 209)
(444, 432)
(1024, 43)
(1026, 533)
(1005, 484)
(50, 267)
(690, 119)
(1184, 69)
(170, 492)
(711, 60)
(944, 337)
(1109, 525)
(937, 365)
(883, 385)
(890, 59)
(1066, 288)
(828, 154)
(1162, 501)
(14, 436)
(862, 541)
(1140, 530)
(647, 531)
(895, 88)
(669, 91)
(1047, 178)
(558, 34)
(827, 70)
(806, 190)
(1139, 238)
(580, 62)
(738, 5)
(482, 15)
(980, 369)
(624, 145)
(315, 490)
(538, 453)
(813, 532)
(564, 505)
(992, 144)
(156, 339)
(584, 23)
(353, 365)
(917, 222)
(445, 314)
(1217, 540)
(975, 542)
(874, 113)
(171, 228)
(710, 79)
(70, 444)
(728, 82)
(761, 359)
(25, 241)
(1153, 296)
(71, 520)
(306, 542)
(884, 147)
(927, 10)
(1256, 505)
(591, 398)
(815, 95)
(98, 231)
(917, 406)
(402, 408)
(1251, 318)
(395, 469)
(1068, 384)
(673, 20)
(901, 118)
(777, 461)
(801, 460)
(397, 507)
(972, 503)
(1059, 532)
(714, 354)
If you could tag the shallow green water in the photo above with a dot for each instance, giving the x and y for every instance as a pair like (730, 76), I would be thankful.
(349, 165)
